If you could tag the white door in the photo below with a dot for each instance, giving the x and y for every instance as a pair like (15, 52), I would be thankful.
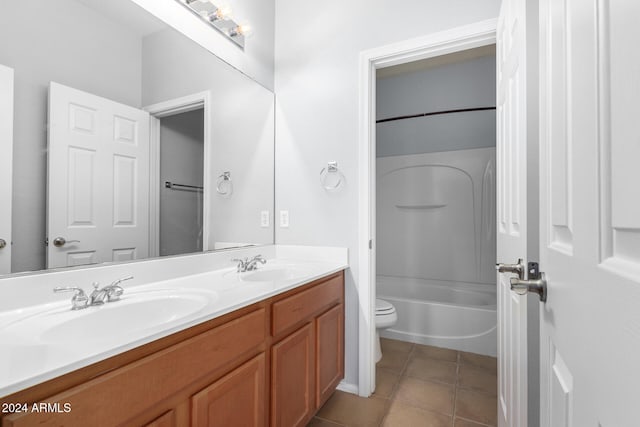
(6, 166)
(511, 153)
(98, 194)
(590, 212)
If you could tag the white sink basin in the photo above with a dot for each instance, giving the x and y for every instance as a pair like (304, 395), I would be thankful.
(136, 312)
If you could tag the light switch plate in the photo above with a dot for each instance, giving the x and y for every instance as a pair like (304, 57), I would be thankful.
(284, 219)
(264, 219)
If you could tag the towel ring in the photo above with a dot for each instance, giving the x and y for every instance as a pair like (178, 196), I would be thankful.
(331, 169)
(224, 180)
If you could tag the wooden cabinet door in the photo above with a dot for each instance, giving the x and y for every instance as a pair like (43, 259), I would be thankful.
(237, 399)
(292, 379)
(330, 352)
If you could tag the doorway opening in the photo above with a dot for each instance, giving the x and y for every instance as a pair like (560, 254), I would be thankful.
(180, 152)
(180, 205)
(435, 200)
(460, 39)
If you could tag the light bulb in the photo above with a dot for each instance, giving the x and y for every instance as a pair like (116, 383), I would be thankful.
(222, 12)
(242, 29)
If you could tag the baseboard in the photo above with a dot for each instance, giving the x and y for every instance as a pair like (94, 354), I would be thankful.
(348, 388)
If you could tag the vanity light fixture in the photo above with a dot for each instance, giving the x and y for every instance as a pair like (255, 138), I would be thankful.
(242, 29)
(219, 17)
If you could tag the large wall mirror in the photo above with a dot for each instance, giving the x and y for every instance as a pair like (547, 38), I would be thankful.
(128, 140)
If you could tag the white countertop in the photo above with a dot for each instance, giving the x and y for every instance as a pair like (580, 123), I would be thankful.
(32, 351)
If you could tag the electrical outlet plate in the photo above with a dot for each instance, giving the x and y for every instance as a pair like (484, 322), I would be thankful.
(284, 219)
(264, 219)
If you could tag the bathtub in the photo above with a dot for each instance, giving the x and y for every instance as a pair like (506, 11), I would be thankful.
(456, 315)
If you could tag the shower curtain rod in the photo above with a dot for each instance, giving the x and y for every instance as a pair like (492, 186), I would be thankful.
(435, 113)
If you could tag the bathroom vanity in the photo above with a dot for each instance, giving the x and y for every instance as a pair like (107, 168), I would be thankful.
(273, 359)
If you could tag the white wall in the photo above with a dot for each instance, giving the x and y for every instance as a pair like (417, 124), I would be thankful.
(316, 81)
(466, 84)
(241, 128)
(181, 151)
(71, 44)
(256, 60)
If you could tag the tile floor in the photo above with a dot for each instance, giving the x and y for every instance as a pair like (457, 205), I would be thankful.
(421, 386)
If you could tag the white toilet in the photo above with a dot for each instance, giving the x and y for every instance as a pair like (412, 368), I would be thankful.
(386, 317)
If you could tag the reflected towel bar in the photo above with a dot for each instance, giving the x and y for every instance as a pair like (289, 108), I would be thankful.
(432, 206)
(169, 184)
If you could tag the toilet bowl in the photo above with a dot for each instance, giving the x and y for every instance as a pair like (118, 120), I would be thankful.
(386, 317)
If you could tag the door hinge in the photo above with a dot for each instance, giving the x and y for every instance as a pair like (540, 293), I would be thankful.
(370, 243)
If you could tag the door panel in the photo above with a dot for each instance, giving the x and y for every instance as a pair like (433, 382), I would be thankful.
(292, 378)
(238, 399)
(98, 194)
(6, 165)
(511, 153)
(590, 212)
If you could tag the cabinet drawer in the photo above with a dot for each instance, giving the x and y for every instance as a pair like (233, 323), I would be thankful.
(299, 307)
(125, 392)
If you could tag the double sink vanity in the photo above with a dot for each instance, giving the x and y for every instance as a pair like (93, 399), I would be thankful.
(196, 340)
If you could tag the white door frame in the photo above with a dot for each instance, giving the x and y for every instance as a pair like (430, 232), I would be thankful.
(6, 164)
(460, 38)
(168, 108)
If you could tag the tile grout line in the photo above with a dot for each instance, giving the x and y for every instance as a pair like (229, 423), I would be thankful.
(476, 422)
(455, 390)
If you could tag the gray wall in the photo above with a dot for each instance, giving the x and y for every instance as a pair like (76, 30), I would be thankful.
(241, 128)
(181, 161)
(465, 84)
(68, 43)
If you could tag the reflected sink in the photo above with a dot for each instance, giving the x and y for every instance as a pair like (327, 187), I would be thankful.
(136, 312)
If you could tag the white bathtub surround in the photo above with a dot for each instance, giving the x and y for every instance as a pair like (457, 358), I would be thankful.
(456, 315)
(436, 247)
(177, 293)
(436, 215)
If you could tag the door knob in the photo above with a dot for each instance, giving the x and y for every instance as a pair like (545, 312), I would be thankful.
(538, 286)
(517, 268)
(3, 243)
(59, 242)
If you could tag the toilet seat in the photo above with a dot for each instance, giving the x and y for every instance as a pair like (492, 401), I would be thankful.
(386, 315)
(383, 306)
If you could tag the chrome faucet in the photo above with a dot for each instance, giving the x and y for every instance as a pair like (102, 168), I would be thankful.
(80, 300)
(249, 264)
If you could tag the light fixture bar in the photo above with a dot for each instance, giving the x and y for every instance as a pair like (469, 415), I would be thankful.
(218, 16)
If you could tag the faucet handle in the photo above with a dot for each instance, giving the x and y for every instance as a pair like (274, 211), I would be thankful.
(117, 282)
(79, 300)
(114, 293)
(242, 264)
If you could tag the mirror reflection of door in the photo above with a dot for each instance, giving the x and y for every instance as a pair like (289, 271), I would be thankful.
(98, 179)
(181, 166)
